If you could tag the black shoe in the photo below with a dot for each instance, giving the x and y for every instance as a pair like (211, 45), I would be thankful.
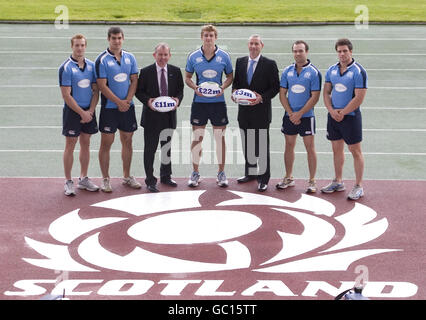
(246, 179)
(169, 182)
(262, 187)
(152, 188)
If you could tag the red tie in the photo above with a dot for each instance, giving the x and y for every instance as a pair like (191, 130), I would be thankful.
(163, 83)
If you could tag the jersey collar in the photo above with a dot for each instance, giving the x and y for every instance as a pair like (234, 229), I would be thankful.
(214, 55)
(347, 67)
(112, 55)
(76, 62)
(303, 67)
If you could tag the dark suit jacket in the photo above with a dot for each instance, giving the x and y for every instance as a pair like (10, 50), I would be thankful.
(266, 82)
(148, 88)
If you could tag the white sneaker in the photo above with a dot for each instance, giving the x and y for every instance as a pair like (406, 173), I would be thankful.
(356, 193)
(221, 179)
(333, 186)
(285, 183)
(131, 182)
(312, 187)
(106, 185)
(194, 179)
(87, 184)
(69, 188)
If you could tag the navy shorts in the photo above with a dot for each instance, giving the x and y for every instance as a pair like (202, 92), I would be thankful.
(202, 112)
(349, 129)
(71, 125)
(112, 119)
(306, 127)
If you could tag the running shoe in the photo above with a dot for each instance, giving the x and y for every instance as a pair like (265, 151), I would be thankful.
(221, 179)
(87, 184)
(69, 188)
(131, 182)
(194, 179)
(106, 185)
(312, 187)
(285, 183)
(333, 186)
(356, 193)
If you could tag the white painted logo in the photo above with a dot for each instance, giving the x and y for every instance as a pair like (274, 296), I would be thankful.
(85, 83)
(297, 88)
(120, 77)
(178, 218)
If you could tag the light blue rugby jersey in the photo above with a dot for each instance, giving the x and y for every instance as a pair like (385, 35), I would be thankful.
(80, 81)
(117, 74)
(209, 70)
(344, 85)
(300, 85)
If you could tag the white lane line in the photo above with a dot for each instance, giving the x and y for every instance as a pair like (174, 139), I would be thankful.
(404, 54)
(232, 106)
(369, 69)
(57, 86)
(222, 38)
(421, 154)
(189, 128)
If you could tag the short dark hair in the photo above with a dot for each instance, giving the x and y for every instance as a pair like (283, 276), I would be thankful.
(115, 30)
(300, 42)
(343, 42)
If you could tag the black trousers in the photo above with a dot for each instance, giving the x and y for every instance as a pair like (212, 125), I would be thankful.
(152, 136)
(256, 146)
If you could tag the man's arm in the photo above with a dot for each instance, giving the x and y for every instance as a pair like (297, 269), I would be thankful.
(226, 83)
(328, 104)
(86, 116)
(355, 102)
(312, 101)
(95, 98)
(122, 105)
(141, 89)
(273, 84)
(179, 85)
(191, 84)
(284, 100)
(132, 88)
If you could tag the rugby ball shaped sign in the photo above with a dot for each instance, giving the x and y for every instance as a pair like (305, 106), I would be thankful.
(209, 89)
(244, 96)
(164, 104)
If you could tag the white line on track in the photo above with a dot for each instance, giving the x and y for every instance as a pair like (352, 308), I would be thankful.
(421, 154)
(56, 86)
(56, 68)
(189, 106)
(221, 38)
(231, 53)
(318, 129)
(214, 177)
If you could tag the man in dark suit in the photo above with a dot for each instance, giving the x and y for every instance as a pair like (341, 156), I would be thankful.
(260, 75)
(159, 79)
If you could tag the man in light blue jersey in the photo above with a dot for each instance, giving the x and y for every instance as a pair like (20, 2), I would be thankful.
(344, 91)
(299, 92)
(117, 78)
(81, 95)
(209, 63)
